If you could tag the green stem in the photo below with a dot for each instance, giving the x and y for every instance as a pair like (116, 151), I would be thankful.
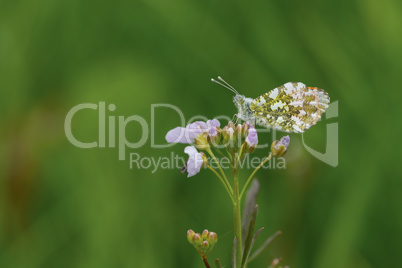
(239, 155)
(224, 156)
(237, 215)
(206, 262)
(229, 154)
(223, 182)
(220, 169)
(252, 174)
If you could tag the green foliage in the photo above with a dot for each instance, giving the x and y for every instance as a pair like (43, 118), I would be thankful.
(63, 206)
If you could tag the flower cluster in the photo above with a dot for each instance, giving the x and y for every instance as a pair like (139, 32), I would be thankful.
(204, 242)
(232, 142)
(237, 140)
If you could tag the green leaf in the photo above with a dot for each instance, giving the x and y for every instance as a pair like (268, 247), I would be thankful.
(218, 264)
(250, 237)
(251, 201)
(265, 245)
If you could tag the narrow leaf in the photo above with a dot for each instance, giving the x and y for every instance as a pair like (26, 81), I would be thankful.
(218, 264)
(234, 251)
(255, 237)
(250, 235)
(251, 201)
(265, 245)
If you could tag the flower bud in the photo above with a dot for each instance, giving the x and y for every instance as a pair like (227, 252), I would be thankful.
(212, 238)
(245, 128)
(252, 137)
(205, 245)
(205, 234)
(279, 148)
(251, 149)
(190, 235)
(239, 130)
(275, 262)
(197, 241)
(227, 135)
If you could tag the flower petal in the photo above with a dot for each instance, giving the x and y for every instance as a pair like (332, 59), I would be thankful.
(213, 123)
(178, 135)
(230, 131)
(190, 150)
(252, 137)
(193, 131)
(194, 162)
(203, 125)
(284, 141)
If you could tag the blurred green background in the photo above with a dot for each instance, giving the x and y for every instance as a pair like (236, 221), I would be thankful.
(63, 206)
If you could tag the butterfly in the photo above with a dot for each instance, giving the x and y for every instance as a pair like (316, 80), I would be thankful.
(292, 107)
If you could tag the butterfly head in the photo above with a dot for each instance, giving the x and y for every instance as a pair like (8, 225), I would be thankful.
(243, 106)
(242, 103)
(239, 101)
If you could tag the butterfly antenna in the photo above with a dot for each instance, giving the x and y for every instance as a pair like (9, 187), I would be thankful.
(226, 85)
(220, 78)
(213, 80)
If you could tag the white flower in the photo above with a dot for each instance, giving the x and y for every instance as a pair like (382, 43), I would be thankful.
(195, 161)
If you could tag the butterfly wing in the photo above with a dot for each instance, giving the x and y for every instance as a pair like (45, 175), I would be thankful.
(292, 107)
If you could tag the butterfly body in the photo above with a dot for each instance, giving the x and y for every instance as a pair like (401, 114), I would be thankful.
(243, 105)
(292, 107)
